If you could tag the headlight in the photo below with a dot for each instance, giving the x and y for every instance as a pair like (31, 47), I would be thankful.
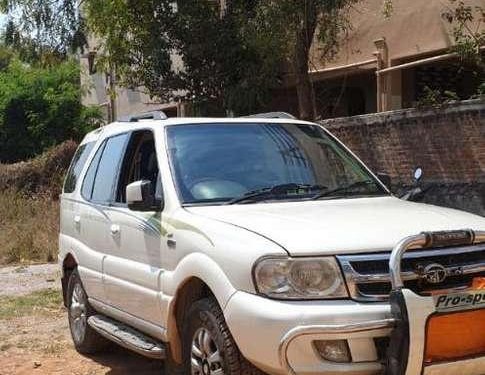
(305, 278)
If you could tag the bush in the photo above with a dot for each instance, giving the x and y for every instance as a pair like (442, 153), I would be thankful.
(29, 219)
(42, 175)
(29, 228)
(41, 107)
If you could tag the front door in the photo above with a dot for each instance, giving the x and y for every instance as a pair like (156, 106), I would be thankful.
(133, 268)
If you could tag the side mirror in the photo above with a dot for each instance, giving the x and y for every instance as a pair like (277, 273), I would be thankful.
(418, 174)
(385, 179)
(140, 196)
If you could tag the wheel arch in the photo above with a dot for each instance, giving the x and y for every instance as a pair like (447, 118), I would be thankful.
(192, 290)
(197, 276)
(69, 264)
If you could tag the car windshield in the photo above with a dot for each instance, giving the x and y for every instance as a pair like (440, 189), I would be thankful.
(248, 162)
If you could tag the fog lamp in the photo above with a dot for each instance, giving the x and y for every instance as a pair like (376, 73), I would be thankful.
(333, 350)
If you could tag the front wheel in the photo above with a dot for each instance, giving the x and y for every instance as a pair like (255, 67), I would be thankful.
(208, 346)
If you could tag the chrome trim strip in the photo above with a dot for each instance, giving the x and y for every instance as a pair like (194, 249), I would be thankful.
(396, 257)
(408, 243)
(353, 277)
(325, 329)
(417, 253)
(406, 276)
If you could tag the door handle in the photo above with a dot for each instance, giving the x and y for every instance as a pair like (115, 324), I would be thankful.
(114, 229)
(171, 242)
(77, 219)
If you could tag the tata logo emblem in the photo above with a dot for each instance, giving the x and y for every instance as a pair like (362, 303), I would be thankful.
(434, 273)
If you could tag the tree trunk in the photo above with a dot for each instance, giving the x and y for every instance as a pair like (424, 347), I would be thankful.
(304, 87)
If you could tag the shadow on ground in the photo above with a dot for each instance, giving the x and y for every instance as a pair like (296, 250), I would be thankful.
(120, 361)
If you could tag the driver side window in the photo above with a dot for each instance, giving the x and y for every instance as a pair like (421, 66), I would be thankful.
(140, 163)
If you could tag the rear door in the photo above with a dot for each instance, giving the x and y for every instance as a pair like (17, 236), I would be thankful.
(93, 221)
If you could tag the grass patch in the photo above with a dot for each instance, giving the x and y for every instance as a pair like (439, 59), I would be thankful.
(43, 301)
(29, 228)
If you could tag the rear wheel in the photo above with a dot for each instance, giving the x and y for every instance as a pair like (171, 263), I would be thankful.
(208, 346)
(86, 340)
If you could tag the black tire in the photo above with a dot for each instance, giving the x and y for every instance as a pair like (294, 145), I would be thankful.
(206, 316)
(85, 339)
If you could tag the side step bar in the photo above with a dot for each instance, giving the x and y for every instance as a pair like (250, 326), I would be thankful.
(127, 337)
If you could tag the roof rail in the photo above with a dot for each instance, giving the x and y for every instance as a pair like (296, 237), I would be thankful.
(273, 115)
(154, 115)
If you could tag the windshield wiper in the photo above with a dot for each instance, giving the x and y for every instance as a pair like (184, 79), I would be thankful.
(275, 191)
(343, 189)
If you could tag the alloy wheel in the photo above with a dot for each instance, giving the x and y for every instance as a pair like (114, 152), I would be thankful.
(78, 313)
(205, 355)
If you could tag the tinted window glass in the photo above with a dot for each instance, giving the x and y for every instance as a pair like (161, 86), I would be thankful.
(107, 172)
(219, 162)
(87, 188)
(76, 167)
(140, 163)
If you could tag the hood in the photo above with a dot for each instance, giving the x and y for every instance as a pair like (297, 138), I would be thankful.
(340, 226)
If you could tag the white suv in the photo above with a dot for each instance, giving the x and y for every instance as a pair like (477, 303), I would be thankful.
(259, 245)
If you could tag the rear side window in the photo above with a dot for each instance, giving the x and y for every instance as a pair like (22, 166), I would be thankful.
(77, 165)
(100, 181)
(87, 188)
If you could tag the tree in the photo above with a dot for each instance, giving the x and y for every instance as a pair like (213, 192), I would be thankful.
(297, 25)
(43, 31)
(468, 28)
(231, 56)
(41, 107)
(190, 51)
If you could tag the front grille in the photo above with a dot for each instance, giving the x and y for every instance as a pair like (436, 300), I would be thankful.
(367, 275)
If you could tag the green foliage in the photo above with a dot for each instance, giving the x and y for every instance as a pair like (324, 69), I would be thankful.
(468, 31)
(481, 91)
(40, 107)
(41, 302)
(29, 223)
(202, 54)
(291, 22)
(43, 30)
(186, 52)
(42, 175)
(469, 34)
(191, 50)
(436, 98)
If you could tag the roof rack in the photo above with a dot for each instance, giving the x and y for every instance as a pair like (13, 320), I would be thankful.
(154, 115)
(273, 115)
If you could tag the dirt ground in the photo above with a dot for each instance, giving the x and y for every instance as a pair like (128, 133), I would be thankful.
(38, 342)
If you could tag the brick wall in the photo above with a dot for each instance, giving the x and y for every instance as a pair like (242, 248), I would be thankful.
(447, 142)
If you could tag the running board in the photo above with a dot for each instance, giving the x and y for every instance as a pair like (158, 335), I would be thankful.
(127, 337)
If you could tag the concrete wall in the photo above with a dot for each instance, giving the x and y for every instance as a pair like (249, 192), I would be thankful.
(447, 142)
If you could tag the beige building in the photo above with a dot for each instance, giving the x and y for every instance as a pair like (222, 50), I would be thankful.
(385, 63)
(116, 102)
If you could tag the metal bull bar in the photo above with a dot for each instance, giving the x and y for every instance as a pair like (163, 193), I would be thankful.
(411, 311)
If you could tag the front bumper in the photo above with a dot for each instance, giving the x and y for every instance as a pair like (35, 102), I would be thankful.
(277, 336)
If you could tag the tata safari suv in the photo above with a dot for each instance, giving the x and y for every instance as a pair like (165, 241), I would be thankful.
(263, 246)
